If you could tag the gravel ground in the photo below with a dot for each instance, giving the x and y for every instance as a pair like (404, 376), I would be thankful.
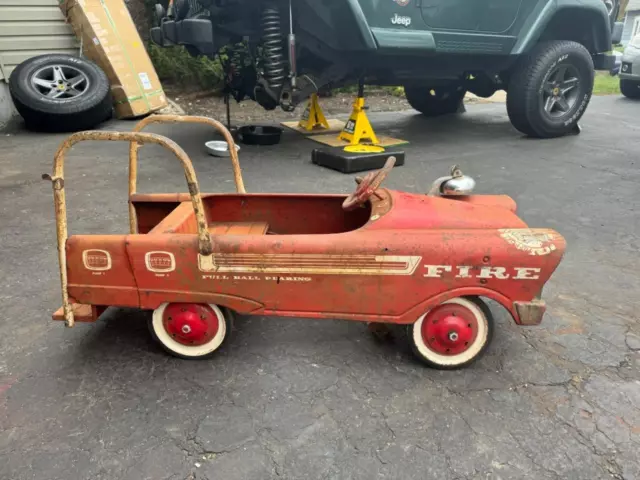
(249, 111)
(338, 104)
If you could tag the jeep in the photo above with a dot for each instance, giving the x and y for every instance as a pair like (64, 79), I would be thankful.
(542, 52)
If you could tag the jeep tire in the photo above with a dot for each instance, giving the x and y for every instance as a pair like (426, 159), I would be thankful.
(630, 88)
(82, 101)
(549, 89)
(436, 101)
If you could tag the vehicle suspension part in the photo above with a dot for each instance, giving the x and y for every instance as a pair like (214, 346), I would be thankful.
(274, 62)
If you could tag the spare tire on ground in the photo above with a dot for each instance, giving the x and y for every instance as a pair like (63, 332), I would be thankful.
(60, 93)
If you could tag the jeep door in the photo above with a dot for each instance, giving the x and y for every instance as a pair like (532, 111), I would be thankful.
(490, 16)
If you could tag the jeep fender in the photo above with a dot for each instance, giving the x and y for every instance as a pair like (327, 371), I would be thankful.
(584, 21)
(362, 25)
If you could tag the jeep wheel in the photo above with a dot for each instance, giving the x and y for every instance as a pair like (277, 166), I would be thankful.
(435, 101)
(60, 93)
(630, 88)
(550, 89)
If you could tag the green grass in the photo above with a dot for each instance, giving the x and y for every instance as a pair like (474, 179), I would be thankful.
(175, 65)
(605, 84)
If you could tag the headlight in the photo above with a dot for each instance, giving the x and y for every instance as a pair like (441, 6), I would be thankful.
(453, 185)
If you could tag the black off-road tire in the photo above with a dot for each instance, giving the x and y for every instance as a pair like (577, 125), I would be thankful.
(630, 88)
(41, 113)
(436, 101)
(525, 104)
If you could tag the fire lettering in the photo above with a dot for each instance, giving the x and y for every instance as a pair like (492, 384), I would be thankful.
(463, 272)
(523, 273)
(436, 271)
(485, 272)
(497, 272)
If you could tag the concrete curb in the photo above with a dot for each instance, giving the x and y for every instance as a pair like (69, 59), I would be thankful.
(9, 116)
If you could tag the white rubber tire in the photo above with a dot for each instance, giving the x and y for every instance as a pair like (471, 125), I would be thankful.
(194, 351)
(475, 350)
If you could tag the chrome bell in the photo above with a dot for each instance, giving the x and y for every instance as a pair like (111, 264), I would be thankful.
(456, 184)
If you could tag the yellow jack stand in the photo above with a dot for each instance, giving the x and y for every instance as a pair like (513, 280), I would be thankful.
(313, 118)
(358, 130)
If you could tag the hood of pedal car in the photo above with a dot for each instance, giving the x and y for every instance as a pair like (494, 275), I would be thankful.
(415, 211)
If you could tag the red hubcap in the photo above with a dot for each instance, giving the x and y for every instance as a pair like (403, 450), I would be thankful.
(449, 329)
(189, 323)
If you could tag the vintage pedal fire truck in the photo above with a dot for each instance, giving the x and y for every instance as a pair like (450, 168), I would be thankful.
(377, 256)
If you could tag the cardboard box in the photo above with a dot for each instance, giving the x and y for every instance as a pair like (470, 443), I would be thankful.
(110, 39)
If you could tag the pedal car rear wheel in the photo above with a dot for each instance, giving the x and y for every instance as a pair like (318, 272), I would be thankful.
(190, 330)
(452, 335)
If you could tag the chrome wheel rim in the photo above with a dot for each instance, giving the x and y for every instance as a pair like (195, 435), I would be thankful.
(560, 91)
(60, 82)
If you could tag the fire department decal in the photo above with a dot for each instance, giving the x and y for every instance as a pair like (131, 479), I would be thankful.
(309, 263)
(96, 260)
(160, 262)
(534, 242)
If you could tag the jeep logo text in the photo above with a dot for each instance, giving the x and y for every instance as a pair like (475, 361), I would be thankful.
(400, 20)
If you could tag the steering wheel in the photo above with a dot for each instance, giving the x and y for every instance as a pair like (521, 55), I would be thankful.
(367, 186)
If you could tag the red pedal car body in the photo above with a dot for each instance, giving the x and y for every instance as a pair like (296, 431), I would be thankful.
(382, 256)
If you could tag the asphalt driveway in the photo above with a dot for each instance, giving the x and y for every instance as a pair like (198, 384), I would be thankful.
(302, 399)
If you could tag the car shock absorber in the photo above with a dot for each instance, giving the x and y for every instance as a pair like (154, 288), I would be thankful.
(274, 61)
(291, 45)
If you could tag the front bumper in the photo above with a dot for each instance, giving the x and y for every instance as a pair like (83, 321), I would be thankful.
(195, 32)
(604, 61)
(629, 71)
(530, 313)
(630, 66)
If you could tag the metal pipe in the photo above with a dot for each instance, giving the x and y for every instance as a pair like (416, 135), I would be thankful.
(360, 87)
(291, 43)
(133, 154)
(205, 244)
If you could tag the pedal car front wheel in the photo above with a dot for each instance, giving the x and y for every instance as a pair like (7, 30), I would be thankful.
(452, 335)
(190, 330)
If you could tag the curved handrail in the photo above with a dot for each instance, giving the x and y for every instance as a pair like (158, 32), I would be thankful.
(205, 244)
(134, 146)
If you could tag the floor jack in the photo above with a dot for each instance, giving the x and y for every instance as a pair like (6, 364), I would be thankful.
(362, 151)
